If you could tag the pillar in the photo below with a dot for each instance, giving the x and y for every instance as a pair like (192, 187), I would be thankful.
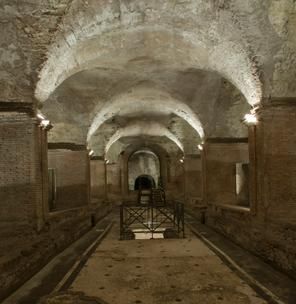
(22, 157)
(275, 146)
(23, 191)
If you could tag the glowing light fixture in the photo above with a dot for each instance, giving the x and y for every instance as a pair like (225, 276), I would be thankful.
(41, 116)
(200, 147)
(250, 119)
(44, 123)
(107, 161)
(91, 153)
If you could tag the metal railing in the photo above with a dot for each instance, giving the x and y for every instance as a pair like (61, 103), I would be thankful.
(167, 219)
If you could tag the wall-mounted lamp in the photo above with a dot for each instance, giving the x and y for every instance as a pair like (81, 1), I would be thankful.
(200, 147)
(91, 153)
(250, 119)
(107, 161)
(45, 123)
(40, 116)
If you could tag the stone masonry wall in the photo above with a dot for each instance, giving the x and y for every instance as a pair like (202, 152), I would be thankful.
(97, 173)
(193, 180)
(29, 235)
(269, 228)
(72, 177)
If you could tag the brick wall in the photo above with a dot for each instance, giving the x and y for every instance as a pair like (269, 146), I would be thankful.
(20, 178)
(269, 227)
(72, 177)
(193, 180)
(97, 172)
(114, 182)
(220, 170)
(29, 235)
(175, 187)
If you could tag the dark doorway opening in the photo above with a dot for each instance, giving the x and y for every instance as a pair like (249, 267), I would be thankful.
(144, 182)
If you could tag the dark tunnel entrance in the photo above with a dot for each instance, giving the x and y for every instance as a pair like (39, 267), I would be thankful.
(144, 182)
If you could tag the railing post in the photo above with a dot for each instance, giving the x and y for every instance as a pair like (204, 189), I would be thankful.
(121, 221)
(152, 220)
(183, 220)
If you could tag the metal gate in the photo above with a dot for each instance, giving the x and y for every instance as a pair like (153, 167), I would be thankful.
(167, 219)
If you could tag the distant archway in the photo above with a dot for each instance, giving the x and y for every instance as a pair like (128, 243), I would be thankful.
(144, 182)
(143, 163)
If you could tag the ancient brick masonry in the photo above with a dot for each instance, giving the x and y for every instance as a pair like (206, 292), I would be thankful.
(28, 231)
(268, 227)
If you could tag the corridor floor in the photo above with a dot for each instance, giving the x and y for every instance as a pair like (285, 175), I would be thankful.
(158, 271)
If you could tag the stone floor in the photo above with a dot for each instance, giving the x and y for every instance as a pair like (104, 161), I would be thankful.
(158, 271)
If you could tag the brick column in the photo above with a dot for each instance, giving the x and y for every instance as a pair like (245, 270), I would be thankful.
(22, 158)
(275, 146)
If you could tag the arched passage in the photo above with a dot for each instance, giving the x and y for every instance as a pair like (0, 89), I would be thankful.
(144, 182)
(145, 97)
(125, 155)
(66, 61)
(142, 128)
(143, 163)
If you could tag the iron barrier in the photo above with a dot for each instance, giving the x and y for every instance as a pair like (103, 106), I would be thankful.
(150, 218)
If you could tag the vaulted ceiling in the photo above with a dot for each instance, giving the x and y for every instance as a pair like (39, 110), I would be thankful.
(113, 73)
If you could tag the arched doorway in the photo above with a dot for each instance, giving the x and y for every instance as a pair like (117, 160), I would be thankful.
(143, 169)
(144, 182)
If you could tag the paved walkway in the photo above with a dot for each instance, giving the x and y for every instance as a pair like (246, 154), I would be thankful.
(281, 286)
(163, 271)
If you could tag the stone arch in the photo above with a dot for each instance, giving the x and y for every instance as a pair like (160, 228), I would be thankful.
(142, 128)
(145, 99)
(143, 162)
(131, 149)
(74, 51)
(144, 181)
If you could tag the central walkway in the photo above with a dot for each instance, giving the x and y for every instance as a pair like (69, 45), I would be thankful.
(159, 271)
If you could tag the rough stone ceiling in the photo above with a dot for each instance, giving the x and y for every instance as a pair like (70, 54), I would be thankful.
(112, 62)
(144, 128)
(249, 37)
(194, 34)
(159, 145)
(92, 105)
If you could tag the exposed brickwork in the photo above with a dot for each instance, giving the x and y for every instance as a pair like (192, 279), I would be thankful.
(220, 159)
(28, 232)
(20, 181)
(97, 171)
(28, 250)
(72, 177)
(193, 180)
(269, 229)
